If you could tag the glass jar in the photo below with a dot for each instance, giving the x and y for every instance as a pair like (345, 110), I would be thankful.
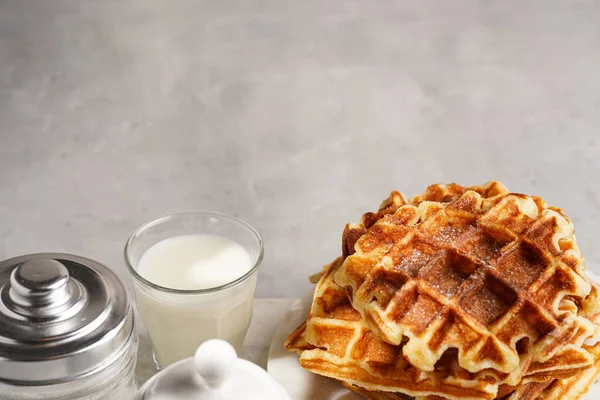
(66, 330)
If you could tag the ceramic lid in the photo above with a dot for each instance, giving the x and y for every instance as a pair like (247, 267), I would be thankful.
(62, 317)
(214, 373)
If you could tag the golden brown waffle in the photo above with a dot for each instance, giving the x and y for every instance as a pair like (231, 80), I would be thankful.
(573, 388)
(495, 275)
(335, 342)
(526, 391)
(332, 304)
(377, 395)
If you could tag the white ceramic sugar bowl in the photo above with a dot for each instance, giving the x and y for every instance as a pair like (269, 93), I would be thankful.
(214, 373)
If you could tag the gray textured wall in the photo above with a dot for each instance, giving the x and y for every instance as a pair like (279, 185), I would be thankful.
(294, 115)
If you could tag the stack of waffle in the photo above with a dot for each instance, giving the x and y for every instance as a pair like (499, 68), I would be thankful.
(460, 293)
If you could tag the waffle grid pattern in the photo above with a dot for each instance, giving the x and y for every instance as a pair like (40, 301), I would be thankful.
(476, 274)
(335, 342)
(346, 349)
(511, 250)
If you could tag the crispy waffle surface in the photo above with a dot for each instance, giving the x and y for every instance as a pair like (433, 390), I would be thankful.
(493, 276)
(336, 340)
(552, 389)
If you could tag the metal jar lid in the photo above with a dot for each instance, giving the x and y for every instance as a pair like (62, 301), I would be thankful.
(62, 317)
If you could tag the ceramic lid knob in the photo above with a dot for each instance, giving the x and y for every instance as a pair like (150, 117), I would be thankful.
(214, 373)
(213, 361)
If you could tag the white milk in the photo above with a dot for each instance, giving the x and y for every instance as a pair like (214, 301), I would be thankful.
(178, 323)
(191, 262)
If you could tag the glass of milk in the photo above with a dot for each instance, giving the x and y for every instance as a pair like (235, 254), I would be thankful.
(194, 278)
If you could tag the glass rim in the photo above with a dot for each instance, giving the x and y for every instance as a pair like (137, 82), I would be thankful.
(155, 221)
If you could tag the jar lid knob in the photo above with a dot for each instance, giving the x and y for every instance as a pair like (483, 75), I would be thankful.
(39, 277)
(213, 361)
(41, 287)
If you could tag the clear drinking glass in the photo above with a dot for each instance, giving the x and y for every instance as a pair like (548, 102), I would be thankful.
(178, 321)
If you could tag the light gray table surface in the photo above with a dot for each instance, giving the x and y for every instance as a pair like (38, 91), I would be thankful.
(296, 116)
